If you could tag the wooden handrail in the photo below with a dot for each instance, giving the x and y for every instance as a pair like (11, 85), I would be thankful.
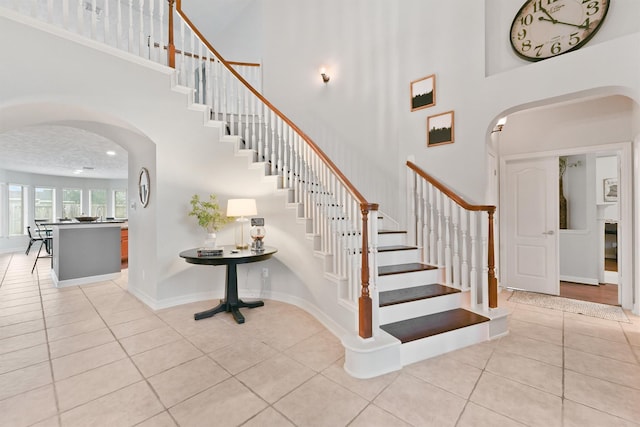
(366, 321)
(196, 56)
(490, 209)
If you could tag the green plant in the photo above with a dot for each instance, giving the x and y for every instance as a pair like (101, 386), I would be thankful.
(208, 212)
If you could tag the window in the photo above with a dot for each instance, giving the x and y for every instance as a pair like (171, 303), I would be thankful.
(16, 209)
(71, 202)
(120, 203)
(98, 203)
(44, 203)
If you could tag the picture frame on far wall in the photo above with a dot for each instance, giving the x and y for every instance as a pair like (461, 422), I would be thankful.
(610, 189)
(440, 129)
(423, 92)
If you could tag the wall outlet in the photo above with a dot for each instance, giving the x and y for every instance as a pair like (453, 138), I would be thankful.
(265, 272)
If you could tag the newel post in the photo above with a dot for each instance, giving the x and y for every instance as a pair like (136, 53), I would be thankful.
(493, 282)
(171, 48)
(365, 313)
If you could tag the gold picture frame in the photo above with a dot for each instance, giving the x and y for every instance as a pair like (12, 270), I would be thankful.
(423, 92)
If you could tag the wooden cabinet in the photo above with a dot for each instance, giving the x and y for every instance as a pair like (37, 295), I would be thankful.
(124, 243)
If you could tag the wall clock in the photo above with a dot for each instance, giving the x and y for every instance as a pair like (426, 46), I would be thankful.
(144, 187)
(546, 28)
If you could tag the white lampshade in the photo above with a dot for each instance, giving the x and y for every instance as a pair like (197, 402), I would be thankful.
(241, 207)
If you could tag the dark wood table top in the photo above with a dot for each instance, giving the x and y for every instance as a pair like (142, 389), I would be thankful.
(230, 255)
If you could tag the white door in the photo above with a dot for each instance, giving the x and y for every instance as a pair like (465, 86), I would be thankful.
(531, 216)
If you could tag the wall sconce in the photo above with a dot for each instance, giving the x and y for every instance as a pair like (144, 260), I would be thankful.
(325, 76)
(500, 124)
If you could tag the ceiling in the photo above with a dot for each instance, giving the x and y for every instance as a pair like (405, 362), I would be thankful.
(62, 151)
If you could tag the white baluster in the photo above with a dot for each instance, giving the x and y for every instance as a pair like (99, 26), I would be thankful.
(163, 57)
(439, 215)
(50, 11)
(65, 14)
(106, 30)
(153, 53)
(484, 272)
(119, 25)
(424, 227)
(413, 212)
(192, 65)
(455, 219)
(94, 19)
(272, 156)
(473, 276)
(141, 36)
(130, 47)
(80, 18)
(207, 80)
(433, 257)
(183, 66)
(201, 77)
(447, 241)
(464, 267)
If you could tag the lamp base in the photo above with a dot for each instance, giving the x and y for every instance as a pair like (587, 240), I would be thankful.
(242, 233)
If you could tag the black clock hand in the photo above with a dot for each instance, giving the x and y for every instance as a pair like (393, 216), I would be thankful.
(551, 18)
(555, 21)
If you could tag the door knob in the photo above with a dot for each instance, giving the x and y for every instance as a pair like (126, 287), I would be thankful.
(549, 233)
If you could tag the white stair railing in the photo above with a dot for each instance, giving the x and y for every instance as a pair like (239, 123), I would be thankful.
(454, 235)
(338, 213)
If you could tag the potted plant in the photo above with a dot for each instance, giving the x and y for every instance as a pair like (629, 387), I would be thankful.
(210, 216)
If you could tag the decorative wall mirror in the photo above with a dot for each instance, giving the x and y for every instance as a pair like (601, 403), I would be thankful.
(144, 187)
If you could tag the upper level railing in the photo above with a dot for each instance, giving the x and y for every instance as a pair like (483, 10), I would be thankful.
(453, 235)
(338, 212)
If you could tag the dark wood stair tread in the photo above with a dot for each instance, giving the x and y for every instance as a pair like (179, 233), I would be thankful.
(393, 248)
(399, 296)
(391, 231)
(432, 324)
(404, 268)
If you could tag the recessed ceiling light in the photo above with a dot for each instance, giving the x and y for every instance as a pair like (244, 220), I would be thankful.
(111, 153)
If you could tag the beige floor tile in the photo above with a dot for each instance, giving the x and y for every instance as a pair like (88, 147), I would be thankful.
(137, 326)
(367, 388)
(183, 381)
(89, 385)
(372, 416)
(623, 373)
(23, 358)
(286, 331)
(544, 317)
(18, 294)
(229, 403)
(54, 308)
(241, 355)
(603, 395)
(163, 419)
(14, 302)
(24, 379)
(124, 316)
(21, 328)
(144, 341)
(214, 334)
(447, 373)
(535, 349)
(611, 331)
(535, 331)
(49, 422)
(275, 377)
(527, 371)
(632, 332)
(24, 308)
(268, 417)
(167, 356)
(19, 318)
(80, 342)
(71, 329)
(600, 347)
(85, 360)
(71, 317)
(28, 408)
(318, 351)
(419, 403)
(477, 416)
(126, 407)
(577, 415)
(517, 401)
(19, 342)
(476, 355)
(321, 402)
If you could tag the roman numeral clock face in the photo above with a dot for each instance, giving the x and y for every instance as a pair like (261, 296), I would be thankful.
(546, 28)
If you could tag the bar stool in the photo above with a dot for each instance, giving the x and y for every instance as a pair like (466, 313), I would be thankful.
(47, 241)
(32, 240)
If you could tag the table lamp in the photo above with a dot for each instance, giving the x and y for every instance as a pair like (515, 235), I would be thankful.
(240, 209)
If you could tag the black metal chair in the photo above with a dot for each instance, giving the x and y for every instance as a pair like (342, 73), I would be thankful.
(46, 241)
(32, 240)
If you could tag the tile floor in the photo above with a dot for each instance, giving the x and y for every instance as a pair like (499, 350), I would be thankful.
(94, 355)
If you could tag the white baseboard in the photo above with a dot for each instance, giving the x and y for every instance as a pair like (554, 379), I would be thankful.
(81, 280)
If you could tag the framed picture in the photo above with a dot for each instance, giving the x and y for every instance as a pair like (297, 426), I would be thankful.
(610, 189)
(440, 129)
(423, 92)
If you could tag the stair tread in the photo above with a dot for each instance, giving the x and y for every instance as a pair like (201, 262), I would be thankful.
(382, 231)
(432, 324)
(399, 296)
(404, 268)
(392, 248)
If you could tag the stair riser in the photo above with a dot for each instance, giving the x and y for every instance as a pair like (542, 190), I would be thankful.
(436, 345)
(407, 280)
(398, 312)
(392, 239)
(399, 257)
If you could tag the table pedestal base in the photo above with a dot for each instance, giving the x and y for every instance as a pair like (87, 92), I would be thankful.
(234, 309)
